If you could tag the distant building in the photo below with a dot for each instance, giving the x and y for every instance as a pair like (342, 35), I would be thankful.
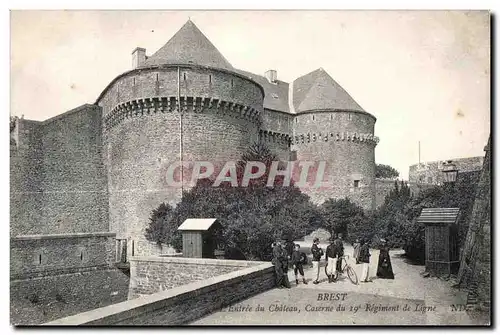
(432, 172)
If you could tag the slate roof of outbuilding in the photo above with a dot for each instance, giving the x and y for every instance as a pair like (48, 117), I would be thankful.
(197, 224)
(189, 46)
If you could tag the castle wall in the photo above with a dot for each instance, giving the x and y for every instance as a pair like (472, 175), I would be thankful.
(346, 142)
(25, 175)
(41, 255)
(432, 172)
(74, 181)
(382, 188)
(275, 132)
(220, 120)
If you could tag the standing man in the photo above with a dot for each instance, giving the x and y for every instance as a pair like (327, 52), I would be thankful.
(364, 258)
(355, 254)
(280, 262)
(339, 248)
(298, 260)
(317, 252)
(330, 254)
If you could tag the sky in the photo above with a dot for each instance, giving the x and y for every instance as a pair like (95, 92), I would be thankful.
(425, 75)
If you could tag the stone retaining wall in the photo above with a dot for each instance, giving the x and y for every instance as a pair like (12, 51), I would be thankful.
(182, 304)
(150, 275)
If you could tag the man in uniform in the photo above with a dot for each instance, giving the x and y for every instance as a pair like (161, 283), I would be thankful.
(316, 252)
(331, 254)
(280, 262)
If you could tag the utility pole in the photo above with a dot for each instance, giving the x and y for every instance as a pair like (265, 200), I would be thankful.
(180, 128)
(419, 152)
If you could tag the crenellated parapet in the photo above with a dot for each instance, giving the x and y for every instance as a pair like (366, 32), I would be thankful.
(345, 136)
(187, 104)
(274, 137)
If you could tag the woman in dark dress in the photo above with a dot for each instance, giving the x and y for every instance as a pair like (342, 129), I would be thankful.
(384, 269)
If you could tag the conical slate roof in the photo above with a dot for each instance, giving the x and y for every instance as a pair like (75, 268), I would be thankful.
(317, 90)
(189, 46)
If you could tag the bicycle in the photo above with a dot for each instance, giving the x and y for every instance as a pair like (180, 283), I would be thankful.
(347, 268)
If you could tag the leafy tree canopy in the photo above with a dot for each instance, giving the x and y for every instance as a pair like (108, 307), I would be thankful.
(385, 171)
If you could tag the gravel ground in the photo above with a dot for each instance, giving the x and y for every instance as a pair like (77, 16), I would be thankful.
(408, 287)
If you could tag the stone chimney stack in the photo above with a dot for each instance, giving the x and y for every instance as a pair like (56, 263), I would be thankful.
(272, 76)
(138, 57)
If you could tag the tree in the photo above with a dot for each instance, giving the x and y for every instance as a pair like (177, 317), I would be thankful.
(385, 171)
(159, 224)
(251, 217)
(340, 214)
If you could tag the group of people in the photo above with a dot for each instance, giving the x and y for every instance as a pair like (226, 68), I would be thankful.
(282, 258)
(290, 254)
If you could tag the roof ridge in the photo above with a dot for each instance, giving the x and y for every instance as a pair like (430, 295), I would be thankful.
(189, 46)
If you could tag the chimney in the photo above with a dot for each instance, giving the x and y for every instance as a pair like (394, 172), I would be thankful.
(271, 76)
(138, 57)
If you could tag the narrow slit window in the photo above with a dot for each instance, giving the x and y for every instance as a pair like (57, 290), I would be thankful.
(39, 258)
(157, 77)
(356, 183)
(210, 79)
(349, 116)
(313, 117)
(184, 76)
(81, 255)
(232, 83)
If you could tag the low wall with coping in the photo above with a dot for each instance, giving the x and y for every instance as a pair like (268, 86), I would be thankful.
(150, 274)
(183, 304)
(41, 255)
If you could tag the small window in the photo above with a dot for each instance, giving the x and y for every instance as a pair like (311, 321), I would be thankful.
(356, 183)
(209, 78)
(331, 117)
(81, 255)
(157, 77)
(184, 76)
(349, 116)
(39, 258)
(313, 117)
(134, 81)
(232, 83)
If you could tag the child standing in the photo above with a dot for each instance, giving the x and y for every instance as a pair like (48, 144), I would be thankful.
(298, 260)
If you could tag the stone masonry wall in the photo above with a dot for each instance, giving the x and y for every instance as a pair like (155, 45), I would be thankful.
(142, 135)
(183, 304)
(149, 275)
(54, 296)
(25, 177)
(346, 141)
(432, 172)
(74, 181)
(40, 255)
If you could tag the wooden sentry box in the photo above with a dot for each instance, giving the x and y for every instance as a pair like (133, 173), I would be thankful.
(441, 240)
(199, 237)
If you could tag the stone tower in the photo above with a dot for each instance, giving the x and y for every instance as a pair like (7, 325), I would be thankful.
(330, 126)
(184, 103)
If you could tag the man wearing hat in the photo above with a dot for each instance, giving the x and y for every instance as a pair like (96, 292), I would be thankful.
(280, 261)
(331, 255)
(316, 252)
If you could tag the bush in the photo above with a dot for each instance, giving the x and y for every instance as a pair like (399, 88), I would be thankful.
(340, 214)
(252, 217)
